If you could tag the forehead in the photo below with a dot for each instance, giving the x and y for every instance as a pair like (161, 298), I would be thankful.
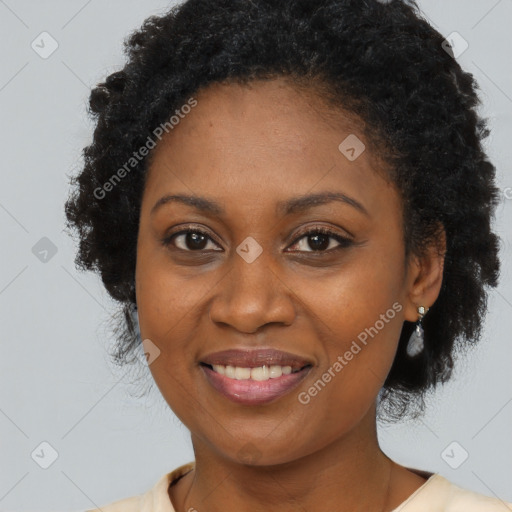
(268, 139)
(277, 111)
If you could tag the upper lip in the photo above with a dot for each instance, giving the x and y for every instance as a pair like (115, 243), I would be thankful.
(256, 357)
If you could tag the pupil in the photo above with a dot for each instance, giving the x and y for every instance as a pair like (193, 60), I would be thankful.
(323, 244)
(196, 241)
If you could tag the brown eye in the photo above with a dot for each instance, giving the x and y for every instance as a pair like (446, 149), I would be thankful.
(190, 240)
(321, 240)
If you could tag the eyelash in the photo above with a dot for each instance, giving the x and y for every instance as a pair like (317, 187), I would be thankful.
(343, 241)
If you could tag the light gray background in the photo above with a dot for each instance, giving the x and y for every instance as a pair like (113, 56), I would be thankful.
(56, 382)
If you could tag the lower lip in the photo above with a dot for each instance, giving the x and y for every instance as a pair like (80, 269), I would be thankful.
(254, 392)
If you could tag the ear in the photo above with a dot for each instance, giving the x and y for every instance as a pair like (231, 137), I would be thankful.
(425, 277)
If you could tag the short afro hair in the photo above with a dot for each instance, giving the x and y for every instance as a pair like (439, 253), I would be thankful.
(379, 60)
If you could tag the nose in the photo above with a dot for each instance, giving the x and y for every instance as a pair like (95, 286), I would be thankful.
(252, 295)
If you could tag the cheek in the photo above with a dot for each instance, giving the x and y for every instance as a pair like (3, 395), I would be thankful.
(359, 315)
(355, 296)
(170, 321)
(167, 300)
(165, 319)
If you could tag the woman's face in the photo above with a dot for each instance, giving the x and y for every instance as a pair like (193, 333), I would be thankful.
(256, 280)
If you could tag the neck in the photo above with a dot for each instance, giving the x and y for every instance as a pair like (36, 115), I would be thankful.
(349, 474)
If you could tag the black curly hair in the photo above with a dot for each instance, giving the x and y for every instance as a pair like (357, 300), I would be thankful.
(380, 61)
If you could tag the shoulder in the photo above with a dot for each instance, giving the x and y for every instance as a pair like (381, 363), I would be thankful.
(440, 495)
(464, 500)
(156, 499)
(124, 505)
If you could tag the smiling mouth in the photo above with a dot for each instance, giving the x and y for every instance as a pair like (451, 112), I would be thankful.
(258, 373)
(258, 385)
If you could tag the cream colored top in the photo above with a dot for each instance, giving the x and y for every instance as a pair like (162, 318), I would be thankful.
(436, 495)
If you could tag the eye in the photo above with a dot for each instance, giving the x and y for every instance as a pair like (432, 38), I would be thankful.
(190, 240)
(319, 240)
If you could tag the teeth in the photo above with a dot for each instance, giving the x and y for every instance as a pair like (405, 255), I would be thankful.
(229, 372)
(258, 373)
(242, 373)
(275, 371)
(220, 369)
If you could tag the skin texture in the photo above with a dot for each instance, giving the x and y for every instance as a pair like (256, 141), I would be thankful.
(249, 148)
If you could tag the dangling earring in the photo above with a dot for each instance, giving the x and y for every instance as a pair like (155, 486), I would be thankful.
(417, 339)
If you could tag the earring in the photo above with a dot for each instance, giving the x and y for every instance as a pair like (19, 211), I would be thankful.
(417, 339)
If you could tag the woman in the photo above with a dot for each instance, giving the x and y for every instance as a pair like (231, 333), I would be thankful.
(292, 205)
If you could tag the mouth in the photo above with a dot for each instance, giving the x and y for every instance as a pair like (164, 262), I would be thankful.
(254, 377)
(257, 373)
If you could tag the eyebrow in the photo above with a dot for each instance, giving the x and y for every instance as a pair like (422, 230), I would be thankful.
(288, 207)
